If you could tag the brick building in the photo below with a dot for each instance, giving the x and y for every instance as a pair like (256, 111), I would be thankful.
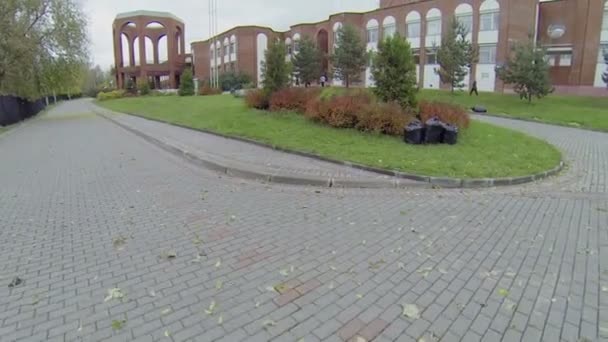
(149, 46)
(574, 32)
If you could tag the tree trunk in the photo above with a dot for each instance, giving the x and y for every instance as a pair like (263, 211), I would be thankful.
(347, 80)
(54, 97)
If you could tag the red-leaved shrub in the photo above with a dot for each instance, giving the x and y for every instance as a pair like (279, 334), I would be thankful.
(293, 99)
(257, 99)
(338, 111)
(446, 112)
(385, 118)
(207, 90)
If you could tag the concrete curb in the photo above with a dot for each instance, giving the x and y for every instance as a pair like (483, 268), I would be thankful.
(395, 180)
(537, 121)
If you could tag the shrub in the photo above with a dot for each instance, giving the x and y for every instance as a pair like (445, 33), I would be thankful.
(144, 87)
(257, 99)
(186, 84)
(394, 72)
(111, 95)
(233, 81)
(446, 112)
(207, 90)
(293, 99)
(338, 111)
(385, 118)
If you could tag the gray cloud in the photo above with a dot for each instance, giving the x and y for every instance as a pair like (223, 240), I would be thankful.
(278, 14)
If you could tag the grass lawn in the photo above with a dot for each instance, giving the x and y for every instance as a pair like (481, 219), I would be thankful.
(575, 111)
(483, 150)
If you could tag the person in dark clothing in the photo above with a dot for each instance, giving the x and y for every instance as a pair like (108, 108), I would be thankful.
(474, 89)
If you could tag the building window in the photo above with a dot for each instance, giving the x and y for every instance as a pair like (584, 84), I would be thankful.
(487, 54)
(413, 29)
(232, 66)
(489, 21)
(433, 27)
(226, 50)
(551, 60)
(336, 37)
(603, 51)
(605, 22)
(289, 50)
(372, 35)
(232, 47)
(466, 21)
(416, 56)
(389, 30)
(565, 59)
(431, 57)
(296, 46)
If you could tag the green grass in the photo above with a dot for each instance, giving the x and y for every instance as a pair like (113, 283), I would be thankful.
(575, 111)
(483, 150)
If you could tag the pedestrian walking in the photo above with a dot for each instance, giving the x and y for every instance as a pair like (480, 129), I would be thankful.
(474, 89)
(323, 80)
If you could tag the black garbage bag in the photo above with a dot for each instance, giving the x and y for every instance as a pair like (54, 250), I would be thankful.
(479, 109)
(434, 131)
(414, 133)
(450, 134)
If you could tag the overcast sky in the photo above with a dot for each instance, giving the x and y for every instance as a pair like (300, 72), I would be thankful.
(278, 14)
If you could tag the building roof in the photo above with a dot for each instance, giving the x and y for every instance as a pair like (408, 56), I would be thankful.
(143, 13)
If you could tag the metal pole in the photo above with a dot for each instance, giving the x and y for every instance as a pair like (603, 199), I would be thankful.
(217, 74)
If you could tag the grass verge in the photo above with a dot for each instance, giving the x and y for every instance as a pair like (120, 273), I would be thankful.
(483, 151)
(573, 111)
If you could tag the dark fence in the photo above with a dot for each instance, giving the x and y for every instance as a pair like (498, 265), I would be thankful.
(15, 109)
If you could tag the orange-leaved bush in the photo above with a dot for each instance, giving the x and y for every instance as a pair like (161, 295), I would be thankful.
(338, 111)
(293, 99)
(446, 112)
(385, 118)
(257, 99)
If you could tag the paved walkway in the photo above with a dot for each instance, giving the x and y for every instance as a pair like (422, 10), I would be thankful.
(86, 207)
(252, 160)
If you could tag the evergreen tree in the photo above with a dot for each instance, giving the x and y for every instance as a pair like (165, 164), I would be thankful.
(527, 70)
(186, 84)
(605, 74)
(275, 69)
(455, 55)
(307, 63)
(350, 56)
(394, 72)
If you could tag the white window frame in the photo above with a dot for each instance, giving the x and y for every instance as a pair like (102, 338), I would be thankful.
(435, 23)
(491, 49)
(372, 34)
(469, 22)
(600, 54)
(389, 30)
(562, 60)
(494, 21)
(416, 24)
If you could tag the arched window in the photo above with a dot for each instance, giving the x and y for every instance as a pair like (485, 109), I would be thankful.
(489, 16)
(289, 46)
(149, 51)
(125, 49)
(233, 45)
(433, 22)
(412, 25)
(389, 26)
(163, 49)
(464, 15)
(136, 59)
(336, 30)
(372, 31)
(296, 43)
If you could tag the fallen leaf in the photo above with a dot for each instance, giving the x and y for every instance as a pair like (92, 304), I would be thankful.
(503, 292)
(359, 296)
(425, 271)
(15, 282)
(281, 288)
(79, 326)
(167, 333)
(604, 288)
(364, 242)
(218, 285)
(331, 286)
(411, 311)
(211, 309)
(119, 242)
(268, 323)
(168, 255)
(376, 265)
(292, 268)
(114, 293)
(220, 319)
(284, 272)
(118, 325)
(152, 293)
(166, 311)
(218, 263)
(401, 266)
